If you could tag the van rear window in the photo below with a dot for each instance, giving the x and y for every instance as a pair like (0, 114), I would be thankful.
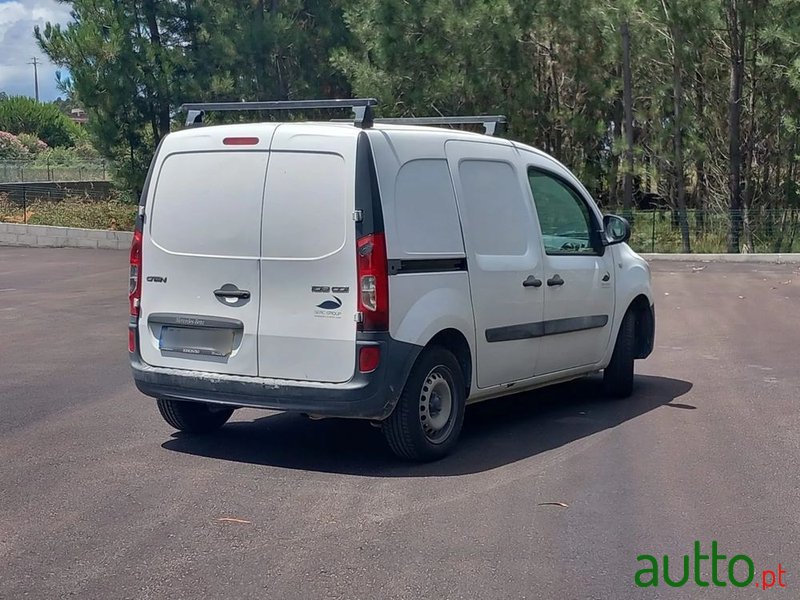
(306, 205)
(209, 203)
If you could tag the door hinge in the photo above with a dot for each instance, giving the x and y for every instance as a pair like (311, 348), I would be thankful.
(358, 215)
(358, 317)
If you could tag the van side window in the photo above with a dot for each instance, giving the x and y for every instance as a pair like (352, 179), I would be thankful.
(563, 216)
(425, 209)
(496, 208)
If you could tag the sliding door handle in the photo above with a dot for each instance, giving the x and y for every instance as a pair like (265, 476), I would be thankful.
(555, 280)
(531, 281)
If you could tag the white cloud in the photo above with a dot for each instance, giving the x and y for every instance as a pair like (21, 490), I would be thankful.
(18, 46)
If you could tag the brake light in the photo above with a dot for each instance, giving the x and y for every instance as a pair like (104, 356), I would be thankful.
(373, 282)
(135, 287)
(240, 141)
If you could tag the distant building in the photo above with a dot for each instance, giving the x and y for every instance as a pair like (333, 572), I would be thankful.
(78, 115)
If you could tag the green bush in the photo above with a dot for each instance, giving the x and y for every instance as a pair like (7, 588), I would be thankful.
(72, 212)
(32, 143)
(84, 149)
(24, 115)
(60, 156)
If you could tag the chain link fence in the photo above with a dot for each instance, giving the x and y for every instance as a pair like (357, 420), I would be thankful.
(88, 209)
(761, 230)
(28, 171)
(93, 202)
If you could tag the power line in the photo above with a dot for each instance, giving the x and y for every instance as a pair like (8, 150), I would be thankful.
(35, 64)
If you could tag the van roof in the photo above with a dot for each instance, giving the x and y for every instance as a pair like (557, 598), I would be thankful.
(345, 128)
(341, 127)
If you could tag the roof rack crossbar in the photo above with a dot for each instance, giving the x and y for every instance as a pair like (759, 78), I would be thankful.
(362, 107)
(492, 124)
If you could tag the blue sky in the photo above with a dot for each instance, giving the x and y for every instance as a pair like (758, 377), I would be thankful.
(18, 47)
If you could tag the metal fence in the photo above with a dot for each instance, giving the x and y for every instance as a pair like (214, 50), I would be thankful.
(18, 171)
(90, 209)
(761, 230)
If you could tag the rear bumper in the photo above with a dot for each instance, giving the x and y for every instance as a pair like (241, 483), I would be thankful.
(365, 396)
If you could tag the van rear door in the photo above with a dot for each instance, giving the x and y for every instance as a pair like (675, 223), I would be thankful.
(200, 256)
(308, 300)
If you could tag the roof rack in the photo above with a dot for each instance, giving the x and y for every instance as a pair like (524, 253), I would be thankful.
(492, 124)
(362, 107)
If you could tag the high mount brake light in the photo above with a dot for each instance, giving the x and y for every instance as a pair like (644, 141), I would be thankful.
(240, 141)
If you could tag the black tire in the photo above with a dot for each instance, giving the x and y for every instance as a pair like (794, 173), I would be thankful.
(417, 429)
(618, 375)
(193, 417)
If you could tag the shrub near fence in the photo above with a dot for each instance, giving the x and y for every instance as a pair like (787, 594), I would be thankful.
(13, 171)
(80, 212)
(772, 230)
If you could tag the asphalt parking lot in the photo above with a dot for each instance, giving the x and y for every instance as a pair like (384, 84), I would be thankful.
(99, 498)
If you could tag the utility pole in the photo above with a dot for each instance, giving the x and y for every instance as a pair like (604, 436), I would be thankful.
(35, 64)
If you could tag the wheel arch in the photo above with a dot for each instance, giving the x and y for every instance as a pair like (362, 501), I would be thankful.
(642, 310)
(456, 342)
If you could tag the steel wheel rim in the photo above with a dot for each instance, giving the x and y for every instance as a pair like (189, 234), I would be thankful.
(436, 405)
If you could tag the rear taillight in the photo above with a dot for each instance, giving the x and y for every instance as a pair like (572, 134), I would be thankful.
(135, 287)
(373, 283)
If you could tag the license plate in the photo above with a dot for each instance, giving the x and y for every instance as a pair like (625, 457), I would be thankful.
(197, 342)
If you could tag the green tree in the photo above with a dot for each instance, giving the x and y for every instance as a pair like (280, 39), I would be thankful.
(133, 62)
(19, 114)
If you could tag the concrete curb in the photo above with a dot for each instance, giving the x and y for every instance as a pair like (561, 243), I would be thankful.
(45, 236)
(793, 258)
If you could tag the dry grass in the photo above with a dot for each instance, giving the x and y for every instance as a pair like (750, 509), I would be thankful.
(72, 212)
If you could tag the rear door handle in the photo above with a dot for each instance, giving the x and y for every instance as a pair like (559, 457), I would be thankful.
(531, 281)
(555, 280)
(241, 294)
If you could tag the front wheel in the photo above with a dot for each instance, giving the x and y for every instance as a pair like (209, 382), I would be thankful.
(618, 375)
(427, 420)
(193, 417)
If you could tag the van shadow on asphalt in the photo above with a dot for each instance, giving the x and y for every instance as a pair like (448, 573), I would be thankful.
(496, 433)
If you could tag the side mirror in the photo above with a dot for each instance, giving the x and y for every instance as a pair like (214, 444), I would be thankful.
(616, 229)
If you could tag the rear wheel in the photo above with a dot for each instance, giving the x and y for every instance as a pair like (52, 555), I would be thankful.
(193, 417)
(427, 420)
(618, 375)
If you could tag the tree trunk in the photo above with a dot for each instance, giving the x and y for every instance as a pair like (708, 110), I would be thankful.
(778, 239)
(748, 174)
(677, 93)
(162, 102)
(613, 169)
(795, 219)
(701, 186)
(557, 142)
(627, 100)
(736, 38)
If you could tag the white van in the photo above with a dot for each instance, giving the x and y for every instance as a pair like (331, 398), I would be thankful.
(379, 271)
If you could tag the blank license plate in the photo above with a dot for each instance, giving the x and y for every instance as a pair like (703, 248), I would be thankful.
(198, 342)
